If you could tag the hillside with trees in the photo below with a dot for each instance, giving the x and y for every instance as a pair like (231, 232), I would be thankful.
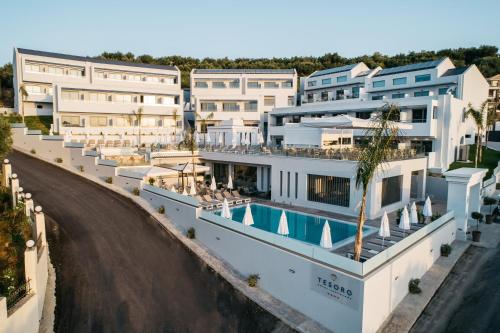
(486, 57)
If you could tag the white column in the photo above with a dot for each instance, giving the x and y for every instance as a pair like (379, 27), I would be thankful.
(28, 204)
(14, 186)
(30, 263)
(6, 172)
(464, 195)
(40, 225)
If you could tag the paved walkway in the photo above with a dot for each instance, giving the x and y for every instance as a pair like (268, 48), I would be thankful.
(119, 271)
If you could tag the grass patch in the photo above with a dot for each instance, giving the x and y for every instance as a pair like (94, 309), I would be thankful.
(490, 160)
(41, 123)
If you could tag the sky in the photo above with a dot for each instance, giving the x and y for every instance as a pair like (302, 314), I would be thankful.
(252, 29)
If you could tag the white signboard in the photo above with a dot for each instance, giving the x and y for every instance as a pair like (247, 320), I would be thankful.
(339, 287)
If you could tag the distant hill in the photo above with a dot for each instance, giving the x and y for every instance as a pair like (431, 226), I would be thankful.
(486, 57)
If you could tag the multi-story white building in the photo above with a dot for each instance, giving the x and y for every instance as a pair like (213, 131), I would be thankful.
(86, 94)
(433, 97)
(246, 94)
(494, 98)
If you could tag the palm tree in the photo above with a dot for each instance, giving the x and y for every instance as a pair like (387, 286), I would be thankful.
(189, 142)
(24, 94)
(383, 135)
(477, 116)
(203, 122)
(490, 119)
(138, 118)
(176, 117)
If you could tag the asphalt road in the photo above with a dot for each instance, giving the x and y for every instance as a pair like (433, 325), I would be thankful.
(469, 299)
(119, 271)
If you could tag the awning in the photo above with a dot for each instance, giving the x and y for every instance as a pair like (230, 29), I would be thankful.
(345, 121)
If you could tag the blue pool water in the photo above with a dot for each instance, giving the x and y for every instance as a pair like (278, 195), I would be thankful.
(304, 227)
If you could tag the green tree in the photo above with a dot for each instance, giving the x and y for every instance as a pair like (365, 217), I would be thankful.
(478, 116)
(24, 94)
(189, 143)
(5, 137)
(138, 118)
(377, 151)
(203, 122)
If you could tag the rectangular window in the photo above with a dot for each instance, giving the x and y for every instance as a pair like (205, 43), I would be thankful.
(121, 122)
(218, 85)
(443, 91)
(326, 81)
(377, 98)
(251, 106)
(421, 93)
(97, 121)
(291, 101)
(355, 92)
(288, 185)
(271, 85)
(208, 107)
(398, 81)
(379, 84)
(269, 100)
(253, 85)
(234, 84)
(201, 84)
(281, 183)
(398, 95)
(324, 96)
(311, 83)
(422, 78)
(363, 115)
(419, 115)
(329, 190)
(287, 84)
(341, 79)
(391, 190)
(339, 94)
(230, 107)
(296, 185)
(70, 121)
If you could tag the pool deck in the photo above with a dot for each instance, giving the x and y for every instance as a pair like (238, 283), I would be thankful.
(372, 244)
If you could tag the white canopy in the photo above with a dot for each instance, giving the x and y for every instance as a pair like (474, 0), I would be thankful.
(213, 184)
(172, 189)
(427, 207)
(326, 237)
(196, 137)
(248, 218)
(283, 226)
(261, 138)
(413, 214)
(384, 230)
(230, 183)
(404, 222)
(226, 213)
(207, 137)
(184, 192)
(344, 121)
(192, 189)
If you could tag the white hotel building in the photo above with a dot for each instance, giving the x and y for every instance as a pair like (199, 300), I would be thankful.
(89, 95)
(433, 97)
(246, 94)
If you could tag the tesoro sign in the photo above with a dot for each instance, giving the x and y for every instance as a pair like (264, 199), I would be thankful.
(339, 287)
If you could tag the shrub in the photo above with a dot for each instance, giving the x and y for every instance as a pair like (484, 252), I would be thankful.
(490, 202)
(252, 280)
(161, 210)
(109, 180)
(413, 286)
(151, 181)
(478, 217)
(81, 168)
(191, 233)
(445, 250)
(436, 216)
(136, 191)
(33, 151)
(59, 160)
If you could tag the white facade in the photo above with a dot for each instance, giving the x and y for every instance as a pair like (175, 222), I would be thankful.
(87, 95)
(246, 94)
(432, 96)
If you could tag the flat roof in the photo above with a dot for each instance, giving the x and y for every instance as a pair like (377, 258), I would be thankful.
(243, 71)
(410, 68)
(94, 59)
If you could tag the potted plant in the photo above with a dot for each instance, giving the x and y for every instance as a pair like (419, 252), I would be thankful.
(476, 234)
(489, 202)
(413, 286)
(445, 250)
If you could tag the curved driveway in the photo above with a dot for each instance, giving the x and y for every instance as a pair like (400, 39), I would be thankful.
(119, 271)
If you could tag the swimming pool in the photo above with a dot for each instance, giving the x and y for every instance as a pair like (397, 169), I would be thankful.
(301, 226)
